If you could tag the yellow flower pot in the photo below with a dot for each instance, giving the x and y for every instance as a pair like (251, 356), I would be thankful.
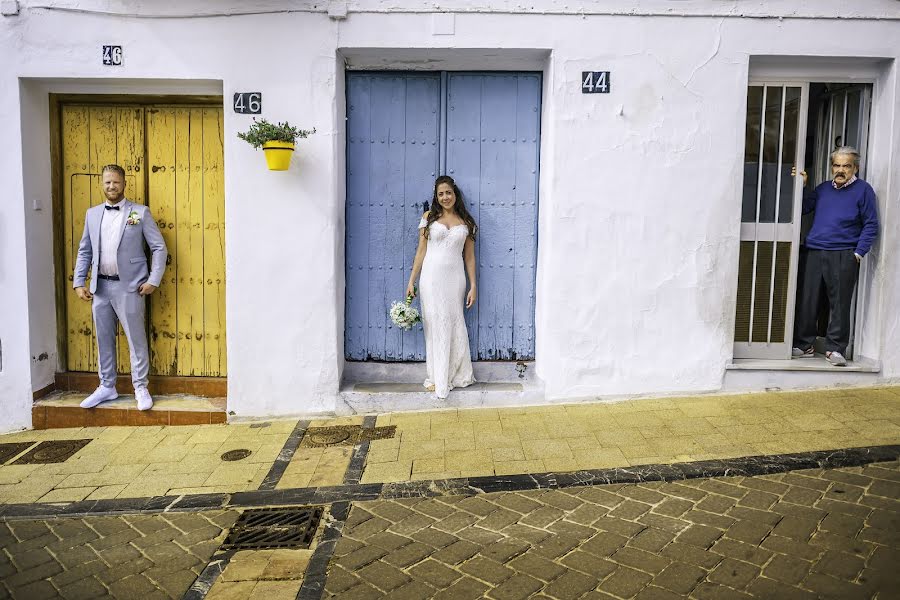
(278, 155)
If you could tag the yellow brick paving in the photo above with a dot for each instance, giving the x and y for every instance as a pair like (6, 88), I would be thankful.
(272, 574)
(319, 467)
(316, 467)
(504, 441)
(128, 462)
(135, 462)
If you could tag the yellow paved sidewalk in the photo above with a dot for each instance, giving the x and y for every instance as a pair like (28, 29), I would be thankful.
(127, 462)
(134, 462)
(504, 441)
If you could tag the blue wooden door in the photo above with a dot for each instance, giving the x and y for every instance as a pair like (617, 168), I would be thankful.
(395, 149)
(492, 140)
(393, 154)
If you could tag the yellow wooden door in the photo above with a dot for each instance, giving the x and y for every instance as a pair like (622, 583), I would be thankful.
(186, 187)
(173, 160)
(94, 136)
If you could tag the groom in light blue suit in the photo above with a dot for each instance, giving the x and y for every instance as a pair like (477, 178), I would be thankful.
(112, 247)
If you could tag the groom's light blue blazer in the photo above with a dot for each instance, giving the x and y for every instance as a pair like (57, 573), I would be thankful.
(131, 258)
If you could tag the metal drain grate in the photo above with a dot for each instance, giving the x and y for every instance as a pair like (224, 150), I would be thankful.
(330, 437)
(233, 455)
(344, 435)
(56, 451)
(378, 433)
(7, 451)
(274, 528)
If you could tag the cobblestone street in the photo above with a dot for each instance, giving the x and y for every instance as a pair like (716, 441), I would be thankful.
(764, 496)
(808, 534)
(135, 556)
(805, 534)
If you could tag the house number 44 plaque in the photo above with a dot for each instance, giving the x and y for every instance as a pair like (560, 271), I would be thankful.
(595, 82)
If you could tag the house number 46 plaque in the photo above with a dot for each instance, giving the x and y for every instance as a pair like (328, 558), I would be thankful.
(248, 103)
(112, 56)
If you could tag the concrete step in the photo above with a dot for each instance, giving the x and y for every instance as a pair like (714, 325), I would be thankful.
(799, 374)
(211, 387)
(405, 372)
(61, 409)
(384, 397)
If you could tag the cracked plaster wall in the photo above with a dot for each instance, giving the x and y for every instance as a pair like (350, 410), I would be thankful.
(640, 189)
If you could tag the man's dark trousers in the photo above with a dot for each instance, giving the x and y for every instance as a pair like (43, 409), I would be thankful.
(838, 271)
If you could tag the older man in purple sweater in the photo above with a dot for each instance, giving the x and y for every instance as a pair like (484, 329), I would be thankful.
(845, 225)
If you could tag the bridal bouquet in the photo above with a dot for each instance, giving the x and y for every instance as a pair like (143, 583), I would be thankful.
(403, 314)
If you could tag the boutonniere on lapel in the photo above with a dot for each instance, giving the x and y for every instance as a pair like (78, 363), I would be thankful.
(133, 218)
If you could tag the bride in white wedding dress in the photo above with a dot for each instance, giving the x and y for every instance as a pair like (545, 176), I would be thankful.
(445, 255)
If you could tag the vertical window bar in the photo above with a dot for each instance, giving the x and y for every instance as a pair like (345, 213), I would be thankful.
(865, 104)
(829, 145)
(863, 130)
(762, 138)
(823, 130)
(820, 133)
(844, 126)
(777, 201)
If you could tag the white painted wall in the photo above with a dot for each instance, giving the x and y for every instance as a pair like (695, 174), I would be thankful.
(639, 211)
(884, 331)
(15, 377)
(38, 212)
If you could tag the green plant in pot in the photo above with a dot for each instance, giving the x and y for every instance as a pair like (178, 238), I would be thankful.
(276, 139)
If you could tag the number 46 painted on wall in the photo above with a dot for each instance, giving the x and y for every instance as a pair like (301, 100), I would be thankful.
(595, 82)
(248, 103)
(112, 56)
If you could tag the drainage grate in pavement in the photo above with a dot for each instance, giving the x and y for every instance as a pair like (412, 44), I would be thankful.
(7, 451)
(55, 451)
(233, 455)
(330, 436)
(378, 433)
(274, 528)
(344, 435)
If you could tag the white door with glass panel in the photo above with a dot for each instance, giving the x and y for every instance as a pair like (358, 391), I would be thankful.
(770, 219)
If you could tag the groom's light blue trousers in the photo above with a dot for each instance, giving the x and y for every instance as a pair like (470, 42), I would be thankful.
(114, 304)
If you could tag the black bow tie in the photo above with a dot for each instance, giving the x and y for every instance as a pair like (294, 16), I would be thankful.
(108, 207)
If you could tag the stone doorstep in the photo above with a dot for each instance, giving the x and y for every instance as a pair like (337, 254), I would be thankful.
(61, 409)
(210, 387)
(387, 397)
(756, 376)
(817, 363)
(404, 372)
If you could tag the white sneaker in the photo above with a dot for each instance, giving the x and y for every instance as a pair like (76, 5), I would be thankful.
(836, 358)
(144, 401)
(101, 394)
(798, 353)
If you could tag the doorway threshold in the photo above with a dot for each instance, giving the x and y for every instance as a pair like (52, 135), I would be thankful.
(211, 387)
(816, 363)
(62, 409)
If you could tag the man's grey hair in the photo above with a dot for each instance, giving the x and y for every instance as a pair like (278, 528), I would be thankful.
(848, 151)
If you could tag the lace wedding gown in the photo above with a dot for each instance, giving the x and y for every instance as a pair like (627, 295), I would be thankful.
(442, 291)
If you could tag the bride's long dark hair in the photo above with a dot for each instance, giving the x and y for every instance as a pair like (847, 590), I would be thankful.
(437, 211)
